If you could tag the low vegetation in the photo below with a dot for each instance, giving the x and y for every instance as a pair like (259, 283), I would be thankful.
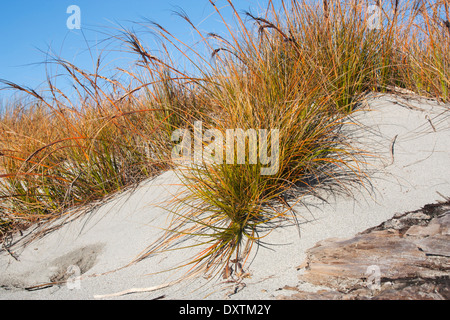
(300, 69)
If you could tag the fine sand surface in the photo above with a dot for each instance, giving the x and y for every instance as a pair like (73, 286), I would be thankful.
(411, 140)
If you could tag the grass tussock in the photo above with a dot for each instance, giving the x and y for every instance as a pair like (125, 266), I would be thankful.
(57, 156)
(298, 70)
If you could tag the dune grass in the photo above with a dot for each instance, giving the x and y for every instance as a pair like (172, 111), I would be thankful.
(300, 70)
(58, 156)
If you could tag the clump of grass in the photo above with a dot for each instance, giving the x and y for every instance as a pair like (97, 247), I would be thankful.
(302, 71)
(260, 82)
(58, 155)
(426, 42)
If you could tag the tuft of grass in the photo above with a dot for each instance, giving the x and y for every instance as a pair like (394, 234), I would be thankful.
(426, 49)
(301, 71)
(58, 155)
(262, 81)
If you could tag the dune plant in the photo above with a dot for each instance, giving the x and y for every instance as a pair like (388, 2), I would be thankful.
(426, 49)
(258, 81)
(58, 155)
(301, 71)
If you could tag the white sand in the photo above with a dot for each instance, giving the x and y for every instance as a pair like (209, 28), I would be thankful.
(113, 235)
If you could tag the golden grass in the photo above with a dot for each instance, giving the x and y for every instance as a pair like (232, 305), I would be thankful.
(301, 70)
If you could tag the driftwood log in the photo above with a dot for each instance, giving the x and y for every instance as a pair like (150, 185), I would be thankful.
(407, 257)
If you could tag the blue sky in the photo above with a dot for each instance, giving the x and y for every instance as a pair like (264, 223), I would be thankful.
(30, 28)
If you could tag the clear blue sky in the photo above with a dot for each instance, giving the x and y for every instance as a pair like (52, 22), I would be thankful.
(29, 28)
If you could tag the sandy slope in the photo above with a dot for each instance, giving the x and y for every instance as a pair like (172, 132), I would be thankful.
(109, 237)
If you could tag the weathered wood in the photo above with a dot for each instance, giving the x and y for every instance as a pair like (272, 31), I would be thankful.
(411, 254)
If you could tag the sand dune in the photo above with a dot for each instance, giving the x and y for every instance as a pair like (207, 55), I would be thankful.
(410, 137)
